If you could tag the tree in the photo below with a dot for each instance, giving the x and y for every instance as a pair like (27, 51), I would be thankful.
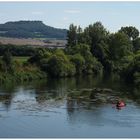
(83, 59)
(131, 31)
(79, 35)
(86, 38)
(136, 44)
(98, 36)
(97, 32)
(82, 49)
(7, 59)
(72, 35)
(58, 65)
(79, 62)
(119, 47)
(101, 51)
(132, 72)
(97, 66)
(40, 54)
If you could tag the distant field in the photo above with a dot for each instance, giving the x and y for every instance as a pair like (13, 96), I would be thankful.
(21, 59)
(33, 42)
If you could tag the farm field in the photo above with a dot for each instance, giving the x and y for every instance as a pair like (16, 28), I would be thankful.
(33, 42)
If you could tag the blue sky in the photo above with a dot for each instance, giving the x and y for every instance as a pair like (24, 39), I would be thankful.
(113, 15)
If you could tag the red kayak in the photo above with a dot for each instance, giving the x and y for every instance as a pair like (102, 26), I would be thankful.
(121, 104)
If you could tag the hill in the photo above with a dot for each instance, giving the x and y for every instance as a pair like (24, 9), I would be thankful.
(31, 29)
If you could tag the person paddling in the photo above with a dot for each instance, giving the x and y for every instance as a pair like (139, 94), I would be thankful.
(120, 103)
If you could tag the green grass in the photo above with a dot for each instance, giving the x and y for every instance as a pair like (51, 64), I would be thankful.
(21, 59)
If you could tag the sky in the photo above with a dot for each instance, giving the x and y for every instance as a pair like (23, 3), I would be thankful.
(113, 15)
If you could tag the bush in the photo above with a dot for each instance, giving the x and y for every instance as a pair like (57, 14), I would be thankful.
(79, 62)
(58, 65)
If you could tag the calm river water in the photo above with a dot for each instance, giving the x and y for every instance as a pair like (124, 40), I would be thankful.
(60, 109)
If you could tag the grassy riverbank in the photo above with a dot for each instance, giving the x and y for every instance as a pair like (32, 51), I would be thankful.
(19, 71)
(21, 76)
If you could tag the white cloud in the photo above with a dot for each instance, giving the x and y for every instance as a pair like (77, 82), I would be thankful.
(37, 13)
(72, 11)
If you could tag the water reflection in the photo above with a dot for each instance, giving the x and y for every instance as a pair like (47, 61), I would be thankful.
(76, 90)
(71, 102)
(6, 101)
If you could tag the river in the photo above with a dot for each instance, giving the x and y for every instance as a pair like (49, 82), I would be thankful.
(80, 107)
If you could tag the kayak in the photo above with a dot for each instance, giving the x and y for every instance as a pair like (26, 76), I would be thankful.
(122, 104)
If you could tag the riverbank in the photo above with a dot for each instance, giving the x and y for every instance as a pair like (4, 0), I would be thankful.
(22, 75)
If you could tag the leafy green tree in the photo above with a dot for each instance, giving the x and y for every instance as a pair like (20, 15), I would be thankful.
(119, 47)
(83, 49)
(97, 32)
(79, 35)
(85, 37)
(58, 65)
(7, 61)
(101, 52)
(131, 73)
(40, 54)
(136, 44)
(7, 58)
(98, 35)
(83, 59)
(97, 66)
(72, 35)
(131, 31)
(79, 62)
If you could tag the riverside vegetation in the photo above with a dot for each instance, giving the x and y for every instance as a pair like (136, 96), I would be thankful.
(93, 50)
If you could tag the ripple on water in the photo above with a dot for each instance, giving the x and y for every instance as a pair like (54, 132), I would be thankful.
(35, 109)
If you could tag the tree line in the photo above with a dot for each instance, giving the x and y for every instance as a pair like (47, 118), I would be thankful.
(118, 52)
(16, 50)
